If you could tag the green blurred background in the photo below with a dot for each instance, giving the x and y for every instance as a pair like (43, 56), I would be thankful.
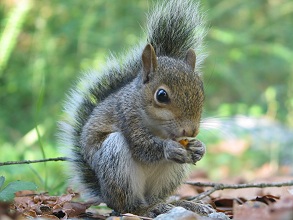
(45, 45)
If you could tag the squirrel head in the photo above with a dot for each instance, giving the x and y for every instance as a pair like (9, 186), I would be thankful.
(172, 94)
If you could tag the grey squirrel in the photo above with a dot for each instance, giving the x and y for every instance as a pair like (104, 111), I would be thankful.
(122, 126)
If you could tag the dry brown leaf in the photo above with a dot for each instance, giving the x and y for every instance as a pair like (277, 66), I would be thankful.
(268, 207)
(48, 207)
(30, 213)
(285, 202)
(250, 210)
(49, 217)
(74, 208)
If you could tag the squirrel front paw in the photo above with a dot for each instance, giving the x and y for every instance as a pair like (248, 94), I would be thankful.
(192, 153)
(195, 150)
(175, 152)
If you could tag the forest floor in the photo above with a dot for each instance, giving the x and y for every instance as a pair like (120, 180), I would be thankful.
(268, 203)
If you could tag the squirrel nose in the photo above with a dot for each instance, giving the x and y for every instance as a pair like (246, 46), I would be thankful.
(189, 132)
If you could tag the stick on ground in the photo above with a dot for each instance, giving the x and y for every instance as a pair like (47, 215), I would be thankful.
(221, 186)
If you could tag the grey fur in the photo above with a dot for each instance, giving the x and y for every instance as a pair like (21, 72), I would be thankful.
(121, 143)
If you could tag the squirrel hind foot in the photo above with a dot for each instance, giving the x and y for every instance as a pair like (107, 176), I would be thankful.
(197, 207)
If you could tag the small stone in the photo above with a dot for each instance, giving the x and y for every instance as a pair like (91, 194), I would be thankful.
(178, 213)
(218, 216)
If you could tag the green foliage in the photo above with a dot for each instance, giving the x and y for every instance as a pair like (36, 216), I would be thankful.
(250, 51)
(7, 193)
(46, 44)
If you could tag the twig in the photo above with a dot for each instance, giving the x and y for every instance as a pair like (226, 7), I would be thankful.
(34, 161)
(221, 186)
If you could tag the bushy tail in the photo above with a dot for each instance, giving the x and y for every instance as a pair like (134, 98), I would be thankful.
(173, 27)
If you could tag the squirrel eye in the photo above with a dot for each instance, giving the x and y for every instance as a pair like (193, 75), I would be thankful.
(162, 96)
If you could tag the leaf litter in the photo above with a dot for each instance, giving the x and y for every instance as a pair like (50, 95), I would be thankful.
(43, 205)
(268, 203)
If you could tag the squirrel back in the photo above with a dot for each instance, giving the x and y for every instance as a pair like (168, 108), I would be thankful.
(174, 28)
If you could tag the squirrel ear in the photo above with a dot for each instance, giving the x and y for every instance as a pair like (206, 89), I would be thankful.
(190, 58)
(149, 62)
